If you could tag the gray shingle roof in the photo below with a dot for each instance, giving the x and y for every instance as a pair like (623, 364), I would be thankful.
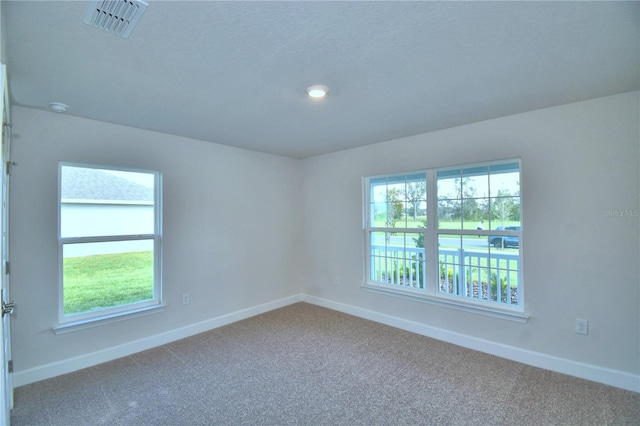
(79, 183)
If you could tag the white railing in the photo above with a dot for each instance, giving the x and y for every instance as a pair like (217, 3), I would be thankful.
(398, 265)
(485, 275)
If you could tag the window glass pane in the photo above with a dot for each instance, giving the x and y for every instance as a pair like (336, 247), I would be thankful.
(395, 203)
(471, 213)
(505, 240)
(515, 216)
(378, 213)
(449, 185)
(482, 216)
(471, 267)
(475, 192)
(378, 190)
(504, 275)
(504, 212)
(100, 202)
(397, 258)
(398, 201)
(449, 248)
(450, 214)
(504, 180)
(379, 267)
(504, 168)
(379, 239)
(475, 265)
(449, 199)
(475, 182)
(416, 196)
(103, 275)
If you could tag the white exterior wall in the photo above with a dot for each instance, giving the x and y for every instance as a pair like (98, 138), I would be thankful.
(85, 219)
(580, 163)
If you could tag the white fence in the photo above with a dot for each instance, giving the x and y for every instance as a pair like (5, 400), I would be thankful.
(476, 274)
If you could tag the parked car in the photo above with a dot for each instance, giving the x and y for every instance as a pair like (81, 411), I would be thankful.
(504, 241)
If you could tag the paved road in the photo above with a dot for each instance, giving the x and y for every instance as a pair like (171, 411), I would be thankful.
(469, 242)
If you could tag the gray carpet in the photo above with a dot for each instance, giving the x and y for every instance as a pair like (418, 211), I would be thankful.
(306, 365)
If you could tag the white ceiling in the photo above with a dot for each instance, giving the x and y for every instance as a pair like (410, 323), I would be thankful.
(235, 72)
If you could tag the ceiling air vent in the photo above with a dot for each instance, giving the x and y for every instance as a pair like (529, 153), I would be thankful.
(118, 17)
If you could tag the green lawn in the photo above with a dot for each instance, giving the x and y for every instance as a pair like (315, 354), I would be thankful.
(442, 224)
(107, 280)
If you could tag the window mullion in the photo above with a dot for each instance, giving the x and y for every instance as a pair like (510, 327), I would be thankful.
(108, 238)
(431, 236)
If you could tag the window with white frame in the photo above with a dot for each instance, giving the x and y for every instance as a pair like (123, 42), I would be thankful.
(109, 242)
(451, 235)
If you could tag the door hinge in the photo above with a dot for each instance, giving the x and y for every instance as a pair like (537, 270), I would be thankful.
(8, 166)
(7, 267)
(10, 366)
(4, 126)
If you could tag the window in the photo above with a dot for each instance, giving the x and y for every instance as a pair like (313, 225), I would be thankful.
(449, 235)
(109, 242)
(397, 212)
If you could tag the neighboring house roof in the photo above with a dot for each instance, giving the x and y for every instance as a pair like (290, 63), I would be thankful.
(79, 183)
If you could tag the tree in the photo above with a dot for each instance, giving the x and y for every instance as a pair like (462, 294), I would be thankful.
(505, 207)
(415, 193)
(395, 207)
(467, 193)
(462, 203)
(420, 240)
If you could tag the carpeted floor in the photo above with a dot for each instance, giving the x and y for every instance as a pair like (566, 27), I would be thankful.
(306, 365)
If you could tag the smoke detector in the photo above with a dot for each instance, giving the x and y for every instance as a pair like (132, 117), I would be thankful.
(58, 107)
(118, 17)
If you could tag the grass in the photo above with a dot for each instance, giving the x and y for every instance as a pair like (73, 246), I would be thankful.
(443, 224)
(107, 280)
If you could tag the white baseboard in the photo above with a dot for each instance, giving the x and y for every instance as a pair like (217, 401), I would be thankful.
(606, 376)
(47, 371)
(594, 373)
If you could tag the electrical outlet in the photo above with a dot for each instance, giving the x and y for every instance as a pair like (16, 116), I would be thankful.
(336, 281)
(185, 298)
(582, 326)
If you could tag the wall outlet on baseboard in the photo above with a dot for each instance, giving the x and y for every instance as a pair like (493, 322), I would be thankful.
(185, 298)
(582, 326)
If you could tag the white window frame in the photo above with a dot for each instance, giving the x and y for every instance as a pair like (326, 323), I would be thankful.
(431, 294)
(83, 320)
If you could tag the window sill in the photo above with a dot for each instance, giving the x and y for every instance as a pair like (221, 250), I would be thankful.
(68, 327)
(449, 302)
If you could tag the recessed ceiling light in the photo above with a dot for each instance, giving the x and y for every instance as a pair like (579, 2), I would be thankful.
(58, 107)
(317, 91)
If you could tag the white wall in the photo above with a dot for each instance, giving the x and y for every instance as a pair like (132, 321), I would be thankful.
(244, 229)
(231, 224)
(578, 162)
